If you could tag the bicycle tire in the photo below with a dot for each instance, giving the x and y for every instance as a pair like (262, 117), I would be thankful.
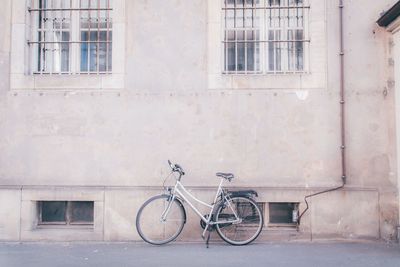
(151, 228)
(250, 225)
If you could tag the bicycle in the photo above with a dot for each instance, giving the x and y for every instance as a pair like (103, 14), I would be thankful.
(234, 215)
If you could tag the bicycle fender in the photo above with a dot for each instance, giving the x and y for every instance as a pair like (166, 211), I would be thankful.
(243, 193)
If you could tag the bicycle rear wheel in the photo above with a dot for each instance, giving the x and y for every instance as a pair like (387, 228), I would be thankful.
(160, 220)
(250, 221)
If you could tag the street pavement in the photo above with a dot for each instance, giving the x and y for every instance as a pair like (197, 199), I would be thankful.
(274, 254)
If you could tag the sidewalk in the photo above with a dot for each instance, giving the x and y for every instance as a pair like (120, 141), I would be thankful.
(196, 254)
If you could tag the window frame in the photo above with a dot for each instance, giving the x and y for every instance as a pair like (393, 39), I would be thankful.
(260, 13)
(22, 79)
(67, 216)
(296, 207)
(73, 11)
(314, 78)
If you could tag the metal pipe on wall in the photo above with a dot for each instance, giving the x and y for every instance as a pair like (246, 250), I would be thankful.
(342, 101)
(342, 117)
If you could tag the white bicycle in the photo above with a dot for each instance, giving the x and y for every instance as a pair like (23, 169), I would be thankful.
(233, 214)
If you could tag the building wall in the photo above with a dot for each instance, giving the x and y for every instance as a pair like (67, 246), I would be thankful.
(111, 145)
(396, 62)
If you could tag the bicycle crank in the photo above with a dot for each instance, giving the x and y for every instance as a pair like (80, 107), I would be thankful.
(203, 224)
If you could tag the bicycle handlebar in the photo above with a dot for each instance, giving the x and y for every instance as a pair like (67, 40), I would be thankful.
(176, 168)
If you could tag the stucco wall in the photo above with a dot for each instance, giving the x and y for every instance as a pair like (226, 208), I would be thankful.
(276, 140)
(396, 57)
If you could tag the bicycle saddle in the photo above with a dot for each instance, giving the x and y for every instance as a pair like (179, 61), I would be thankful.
(228, 176)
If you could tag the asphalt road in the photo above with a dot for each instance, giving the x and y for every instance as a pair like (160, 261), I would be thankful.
(196, 254)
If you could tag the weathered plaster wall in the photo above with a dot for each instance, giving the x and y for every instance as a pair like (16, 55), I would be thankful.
(285, 142)
(396, 60)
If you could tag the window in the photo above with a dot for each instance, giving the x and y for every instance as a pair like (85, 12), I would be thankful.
(265, 36)
(66, 212)
(283, 213)
(70, 36)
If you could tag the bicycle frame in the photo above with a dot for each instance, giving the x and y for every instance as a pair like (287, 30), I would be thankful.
(180, 190)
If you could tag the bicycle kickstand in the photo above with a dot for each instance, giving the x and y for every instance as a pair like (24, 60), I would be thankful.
(208, 236)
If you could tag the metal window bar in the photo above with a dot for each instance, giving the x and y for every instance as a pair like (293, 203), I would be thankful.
(266, 7)
(68, 9)
(53, 41)
(66, 42)
(283, 36)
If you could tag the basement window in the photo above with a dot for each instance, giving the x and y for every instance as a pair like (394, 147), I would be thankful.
(283, 214)
(65, 212)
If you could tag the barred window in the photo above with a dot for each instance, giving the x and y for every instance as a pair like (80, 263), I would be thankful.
(70, 36)
(265, 36)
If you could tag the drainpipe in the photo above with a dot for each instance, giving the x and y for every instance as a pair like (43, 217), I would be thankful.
(342, 102)
(342, 117)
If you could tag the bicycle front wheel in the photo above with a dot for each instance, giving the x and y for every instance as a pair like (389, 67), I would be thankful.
(248, 226)
(160, 220)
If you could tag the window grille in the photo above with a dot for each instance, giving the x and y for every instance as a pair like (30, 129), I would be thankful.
(265, 36)
(70, 36)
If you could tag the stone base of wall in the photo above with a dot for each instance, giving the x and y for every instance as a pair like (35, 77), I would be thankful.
(351, 213)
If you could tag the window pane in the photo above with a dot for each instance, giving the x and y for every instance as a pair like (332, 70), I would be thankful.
(229, 3)
(291, 51)
(84, 51)
(274, 50)
(239, 3)
(230, 51)
(299, 50)
(84, 19)
(241, 51)
(109, 57)
(65, 52)
(249, 18)
(229, 19)
(47, 65)
(239, 20)
(89, 50)
(250, 56)
(103, 51)
(295, 2)
(252, 51)
(81, 211)
(53, 211)
(274, 2)
(84, 3)
(281, 212)
(93, 46)
(230, 56)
